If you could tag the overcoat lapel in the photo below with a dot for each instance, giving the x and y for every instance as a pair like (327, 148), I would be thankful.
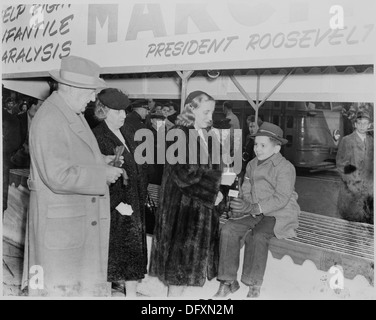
(77, 123)
(111, 136)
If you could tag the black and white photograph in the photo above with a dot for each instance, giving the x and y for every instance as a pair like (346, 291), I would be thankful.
(171, 150)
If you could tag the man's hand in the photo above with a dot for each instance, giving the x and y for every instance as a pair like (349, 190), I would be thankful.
(112, 174)
(108, 159)
(240, 207)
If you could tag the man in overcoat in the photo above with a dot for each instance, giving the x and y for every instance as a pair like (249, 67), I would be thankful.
(355, 165)
(69, 212)
(137, 118)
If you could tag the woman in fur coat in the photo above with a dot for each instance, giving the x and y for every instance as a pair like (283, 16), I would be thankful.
(185, 243)
(127, 261)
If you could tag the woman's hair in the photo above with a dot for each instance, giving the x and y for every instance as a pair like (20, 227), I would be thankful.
(228, 105)
(172, 105)
(100, 110)
(252, 118)
(157, 105)
(187, 117)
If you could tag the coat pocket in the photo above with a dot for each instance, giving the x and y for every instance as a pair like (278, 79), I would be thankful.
(65, 227)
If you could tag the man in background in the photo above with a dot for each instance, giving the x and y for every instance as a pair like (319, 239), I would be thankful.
(234, 121)
(136, 119)
(21, 158)
(235, 140)
(355, 164)
(11, 143)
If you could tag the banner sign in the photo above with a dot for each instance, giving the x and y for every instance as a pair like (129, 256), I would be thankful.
(136, 36)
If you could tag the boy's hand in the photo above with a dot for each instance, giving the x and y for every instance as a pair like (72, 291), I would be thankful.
(240, 207)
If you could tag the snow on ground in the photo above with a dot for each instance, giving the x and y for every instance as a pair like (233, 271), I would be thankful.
(284, 280)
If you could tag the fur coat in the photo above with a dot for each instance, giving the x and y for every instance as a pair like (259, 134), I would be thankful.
(127, 258)
(355, 165)
(185, 243)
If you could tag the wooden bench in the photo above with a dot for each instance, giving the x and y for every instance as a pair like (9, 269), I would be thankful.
(326, 241)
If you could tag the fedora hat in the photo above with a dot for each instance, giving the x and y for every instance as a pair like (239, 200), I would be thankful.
(141, 103)
(78, 72)
(271, 130)
(363, 115)
(222, 123)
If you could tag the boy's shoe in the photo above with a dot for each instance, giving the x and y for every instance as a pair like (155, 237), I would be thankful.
(227, 287)
(254, 292)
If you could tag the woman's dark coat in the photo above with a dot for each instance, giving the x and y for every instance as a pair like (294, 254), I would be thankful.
(185, 242)
(127, 250)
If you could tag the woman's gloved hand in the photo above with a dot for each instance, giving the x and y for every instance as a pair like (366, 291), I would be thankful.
(240, 208)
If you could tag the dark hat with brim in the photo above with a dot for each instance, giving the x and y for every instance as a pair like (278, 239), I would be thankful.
(157, 115)
(78, 72)
(271, 130)
(222, 123)
(114, 99)
(142, 103)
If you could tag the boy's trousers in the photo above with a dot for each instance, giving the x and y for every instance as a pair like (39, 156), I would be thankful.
(256, 234)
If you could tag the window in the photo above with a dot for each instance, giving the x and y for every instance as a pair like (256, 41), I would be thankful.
(289, 138)
(290, 122)
(276, 120)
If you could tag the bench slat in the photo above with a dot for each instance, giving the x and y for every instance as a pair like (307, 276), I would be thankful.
(335, 224)
(324, 242)
(364, 241)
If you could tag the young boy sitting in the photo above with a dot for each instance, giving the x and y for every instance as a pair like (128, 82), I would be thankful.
(267, 207)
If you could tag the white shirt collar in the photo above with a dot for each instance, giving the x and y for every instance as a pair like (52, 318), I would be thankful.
(362, 137)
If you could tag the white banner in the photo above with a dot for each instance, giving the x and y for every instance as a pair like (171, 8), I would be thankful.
(137, 36)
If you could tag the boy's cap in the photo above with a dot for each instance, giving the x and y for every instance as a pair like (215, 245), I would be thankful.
(363, 115)
(271, 130)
